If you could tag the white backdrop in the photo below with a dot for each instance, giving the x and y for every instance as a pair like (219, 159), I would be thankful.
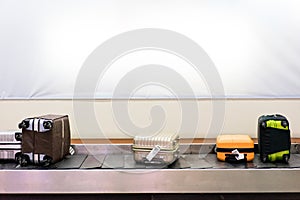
(255, 45)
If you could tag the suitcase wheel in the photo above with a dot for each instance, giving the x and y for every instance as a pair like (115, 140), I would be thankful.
(264, 158)
(71, 151)
(47, 125)
(22, 159)
(18, 157)
(18, 136)
(285, 158)
(47, 160)
(24, 124)
(284, 123)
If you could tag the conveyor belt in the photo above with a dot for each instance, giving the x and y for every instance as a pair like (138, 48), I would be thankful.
(126, 161)
(197, 170)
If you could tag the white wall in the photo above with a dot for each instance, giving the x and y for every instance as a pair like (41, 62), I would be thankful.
(240, 115)
(253, 45)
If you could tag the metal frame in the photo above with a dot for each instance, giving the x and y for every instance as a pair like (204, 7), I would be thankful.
(275, 180)
(150, 181)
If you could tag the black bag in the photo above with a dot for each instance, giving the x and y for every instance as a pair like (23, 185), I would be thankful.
(46, 139)
(10, 145)
(274, 140)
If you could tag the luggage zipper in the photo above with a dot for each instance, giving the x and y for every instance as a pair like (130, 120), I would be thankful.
(244, 150)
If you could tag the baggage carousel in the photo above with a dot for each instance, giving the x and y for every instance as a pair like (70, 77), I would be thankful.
(107, 169)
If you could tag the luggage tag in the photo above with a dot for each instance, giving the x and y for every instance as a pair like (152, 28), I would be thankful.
(236, 157)
(239, 156)
(153, 153)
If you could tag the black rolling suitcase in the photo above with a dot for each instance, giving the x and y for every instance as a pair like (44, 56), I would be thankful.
(10, 145)
(45, 139)
(274, 139)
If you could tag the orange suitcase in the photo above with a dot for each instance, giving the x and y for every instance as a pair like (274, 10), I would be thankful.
(234, 148)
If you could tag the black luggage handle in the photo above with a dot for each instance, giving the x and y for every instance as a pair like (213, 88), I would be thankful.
(278, 115)
(231, 158)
